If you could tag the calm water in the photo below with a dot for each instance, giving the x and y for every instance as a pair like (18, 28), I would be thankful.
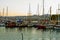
(28, 34)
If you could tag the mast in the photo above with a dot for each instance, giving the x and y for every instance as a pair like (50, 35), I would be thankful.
(0, 13)
(7, 11)
(38, 12)
(38, 9)
(58, 7)
(43, 10)
(3, 12)
(29, 10)
(43, 22)
(50, 13)
(29, 14)
(58, 13)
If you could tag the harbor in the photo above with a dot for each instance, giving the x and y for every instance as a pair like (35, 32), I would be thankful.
(44, 21)
(29, 20)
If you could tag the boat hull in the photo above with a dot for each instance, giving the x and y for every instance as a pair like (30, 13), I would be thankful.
(41, 27)
(57, 27)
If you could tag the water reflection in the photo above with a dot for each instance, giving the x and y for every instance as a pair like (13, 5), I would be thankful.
(28, 34)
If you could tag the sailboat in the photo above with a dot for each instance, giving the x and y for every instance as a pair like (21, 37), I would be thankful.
(30, 23)
(41, 26)
(2, 20)
(50, 24)
(9, 23)
(57, 26)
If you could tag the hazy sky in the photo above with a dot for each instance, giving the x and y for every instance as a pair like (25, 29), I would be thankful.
(21, 7)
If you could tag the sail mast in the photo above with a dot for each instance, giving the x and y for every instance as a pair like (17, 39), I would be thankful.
(50, 13)
(43, 22)
(29, 14)
(3, 12)
(38, 12)
(58, 13)
(29, 9)
(43, 10)
(0, 13)
(7, 11)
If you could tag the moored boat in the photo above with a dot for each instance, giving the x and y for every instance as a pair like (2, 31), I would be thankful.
(41, 27)
(57, 27)
(2, 24)
(10, 24)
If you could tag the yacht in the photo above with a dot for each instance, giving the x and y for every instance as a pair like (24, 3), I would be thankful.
(57, 26)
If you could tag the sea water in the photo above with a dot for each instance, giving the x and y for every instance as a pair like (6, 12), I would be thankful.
(28, 34)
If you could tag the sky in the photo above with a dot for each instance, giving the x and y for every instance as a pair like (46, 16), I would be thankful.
(21, 7)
